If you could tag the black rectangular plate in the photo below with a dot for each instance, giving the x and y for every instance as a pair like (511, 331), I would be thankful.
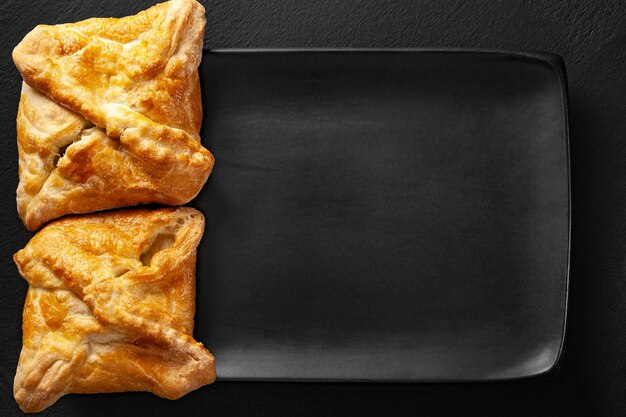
(384, 215)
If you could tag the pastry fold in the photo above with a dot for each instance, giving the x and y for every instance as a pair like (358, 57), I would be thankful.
(110, 113)
(110, 307)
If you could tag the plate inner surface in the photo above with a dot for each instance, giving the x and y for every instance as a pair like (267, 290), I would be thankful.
(383, 216)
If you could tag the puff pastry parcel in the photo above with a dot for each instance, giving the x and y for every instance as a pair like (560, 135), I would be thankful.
(110, 307)
(110, 113)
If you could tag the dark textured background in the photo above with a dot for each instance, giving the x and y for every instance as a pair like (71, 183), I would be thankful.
(591, 37)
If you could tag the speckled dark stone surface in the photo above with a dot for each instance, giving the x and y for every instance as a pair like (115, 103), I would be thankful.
(589, 35)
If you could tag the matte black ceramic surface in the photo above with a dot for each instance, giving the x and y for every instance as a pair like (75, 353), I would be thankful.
(380, 215)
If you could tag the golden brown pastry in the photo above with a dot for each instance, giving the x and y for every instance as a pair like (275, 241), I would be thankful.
(110, 113)
(110, 307)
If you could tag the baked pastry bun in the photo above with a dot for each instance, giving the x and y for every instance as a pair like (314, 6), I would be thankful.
(110, 307)
(110, 113)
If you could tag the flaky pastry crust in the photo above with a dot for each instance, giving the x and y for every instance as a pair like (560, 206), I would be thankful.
(110, 307)
(110, 113)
